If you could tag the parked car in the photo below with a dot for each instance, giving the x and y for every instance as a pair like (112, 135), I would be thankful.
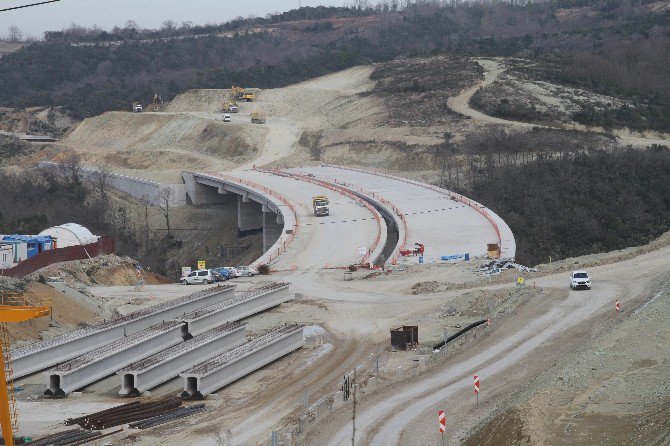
(246, 271)
(580, 279)
(200, 276)
(225, 273)
(233, 271)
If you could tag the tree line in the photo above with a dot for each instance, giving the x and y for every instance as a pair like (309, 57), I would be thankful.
(579, 203)
(93, 78)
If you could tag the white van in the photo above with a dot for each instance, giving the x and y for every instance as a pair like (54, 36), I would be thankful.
(199, 276)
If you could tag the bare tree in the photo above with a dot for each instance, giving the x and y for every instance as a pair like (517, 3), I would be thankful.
(72, 167)
(15, 34)
(144, 201)
(164, 198)
(100, 181)
(168, 27)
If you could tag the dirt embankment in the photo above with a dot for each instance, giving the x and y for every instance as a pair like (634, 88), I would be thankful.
(613, 391)
(160, 141)
(66, 314)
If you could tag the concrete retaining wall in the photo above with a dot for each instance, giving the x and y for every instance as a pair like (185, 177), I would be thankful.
(139, 188)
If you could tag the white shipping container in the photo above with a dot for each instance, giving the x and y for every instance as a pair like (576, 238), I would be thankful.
(6, 256)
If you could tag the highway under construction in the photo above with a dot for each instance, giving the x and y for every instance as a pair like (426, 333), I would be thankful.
(289, 356)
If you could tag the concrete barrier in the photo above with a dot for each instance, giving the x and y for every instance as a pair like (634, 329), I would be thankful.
(216, 373)
(168, 364)
(104, 361)
(41, 355)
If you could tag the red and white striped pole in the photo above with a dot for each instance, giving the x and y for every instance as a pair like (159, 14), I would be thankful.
(442, 418)
(476, 383)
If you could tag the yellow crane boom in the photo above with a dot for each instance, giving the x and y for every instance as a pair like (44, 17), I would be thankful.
(14, 308)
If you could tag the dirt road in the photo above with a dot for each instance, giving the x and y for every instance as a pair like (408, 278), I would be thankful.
(492, 70)
(405, 415)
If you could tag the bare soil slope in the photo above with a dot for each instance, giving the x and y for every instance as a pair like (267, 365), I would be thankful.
(125, 140)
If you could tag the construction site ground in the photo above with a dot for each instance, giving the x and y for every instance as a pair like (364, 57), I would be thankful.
(556, 364)
(592, 359)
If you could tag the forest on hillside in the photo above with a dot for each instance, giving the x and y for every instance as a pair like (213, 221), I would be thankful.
(579, 203)
(612, 46)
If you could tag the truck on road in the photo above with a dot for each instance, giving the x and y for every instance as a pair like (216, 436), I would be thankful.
(258, 117)
(320, 204)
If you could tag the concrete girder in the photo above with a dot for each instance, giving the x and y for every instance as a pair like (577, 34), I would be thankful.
(106, 360)
(41, 355)
(239, 307)
(165, 365)
(216, 373)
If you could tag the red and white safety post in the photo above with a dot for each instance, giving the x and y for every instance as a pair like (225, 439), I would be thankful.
(617, 305)
(476, 383)
(442, 418)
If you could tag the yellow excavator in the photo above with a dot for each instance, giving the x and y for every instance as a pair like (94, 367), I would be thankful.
(237, 92)
(14, 308)
(242, 94)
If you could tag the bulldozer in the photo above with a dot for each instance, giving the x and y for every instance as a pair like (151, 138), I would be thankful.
(258, 117)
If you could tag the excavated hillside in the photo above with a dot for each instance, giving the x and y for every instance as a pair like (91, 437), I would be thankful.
(163, 141)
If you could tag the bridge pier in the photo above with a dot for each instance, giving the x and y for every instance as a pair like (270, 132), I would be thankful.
(272, 229)
(249, 214)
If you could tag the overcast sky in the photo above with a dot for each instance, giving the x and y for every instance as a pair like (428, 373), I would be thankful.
(147, 13)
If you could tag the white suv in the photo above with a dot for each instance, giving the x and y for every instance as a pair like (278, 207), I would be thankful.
(580, 279)
(199, 276)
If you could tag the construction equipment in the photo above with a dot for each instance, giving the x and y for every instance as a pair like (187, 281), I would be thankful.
(258, 117)
(248, 96)
(137, 107)
(230, 107)
(320, 204)
(14, 308)
(237, 92)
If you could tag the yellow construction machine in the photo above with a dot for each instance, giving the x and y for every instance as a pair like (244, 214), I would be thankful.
(14, 308)
(248, 96)
(237, 92)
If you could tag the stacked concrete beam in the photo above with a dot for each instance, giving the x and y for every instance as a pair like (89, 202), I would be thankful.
(168, 364)
(104, 361)
(41, 355)
(236, 308)
(218, 372)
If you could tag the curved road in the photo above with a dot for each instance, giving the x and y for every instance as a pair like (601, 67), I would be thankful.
(320, 242)
(492, 70)
(394, 417)
(445, 226)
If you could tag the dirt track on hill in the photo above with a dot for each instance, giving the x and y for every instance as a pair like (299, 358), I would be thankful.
(492, 70)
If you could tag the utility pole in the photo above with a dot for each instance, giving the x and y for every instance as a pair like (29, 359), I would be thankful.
(353, 415)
